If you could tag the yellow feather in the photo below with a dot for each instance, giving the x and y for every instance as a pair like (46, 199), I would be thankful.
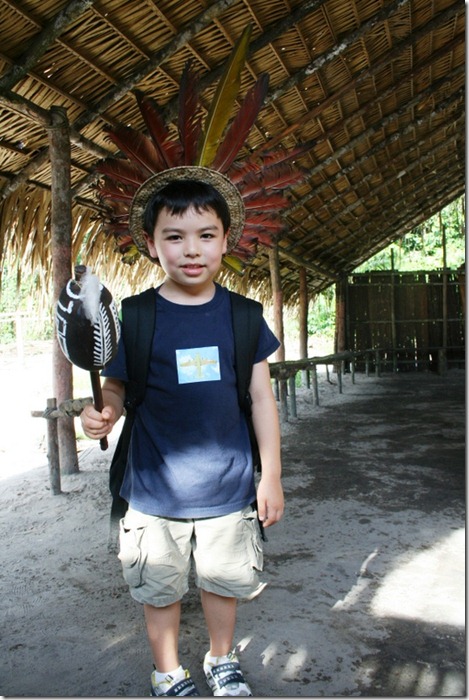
(234, 264)
(223, 100)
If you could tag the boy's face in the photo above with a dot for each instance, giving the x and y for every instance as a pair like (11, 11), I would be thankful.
(189, 246)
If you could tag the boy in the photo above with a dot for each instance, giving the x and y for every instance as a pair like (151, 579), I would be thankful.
(189, 479)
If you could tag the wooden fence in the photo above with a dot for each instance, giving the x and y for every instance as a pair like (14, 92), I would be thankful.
(410, 316)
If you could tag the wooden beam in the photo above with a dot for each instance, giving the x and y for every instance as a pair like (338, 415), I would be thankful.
(367, 73)
(422, 98)
(61, 239)
(313, 267)
(41, 43)
(277, 299)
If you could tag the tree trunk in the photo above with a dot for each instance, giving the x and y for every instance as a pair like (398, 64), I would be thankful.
(61, 245)
(277, 297)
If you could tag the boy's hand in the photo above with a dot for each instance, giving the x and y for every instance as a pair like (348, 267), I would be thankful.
(97, 425)
(270, 502)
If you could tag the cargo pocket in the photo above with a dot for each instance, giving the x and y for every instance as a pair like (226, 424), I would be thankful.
(131, 554)
(255, 540)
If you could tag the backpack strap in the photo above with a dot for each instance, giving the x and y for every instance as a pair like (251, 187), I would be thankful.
(247, 318)
(138, 326)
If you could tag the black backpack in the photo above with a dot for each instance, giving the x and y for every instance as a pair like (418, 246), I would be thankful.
(138, 325)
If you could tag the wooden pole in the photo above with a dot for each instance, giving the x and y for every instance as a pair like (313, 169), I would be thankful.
(340, 325)
(277, 297)
(53, 451)
(304, 322)
(444, 355)
(61, 248)
(393, 314)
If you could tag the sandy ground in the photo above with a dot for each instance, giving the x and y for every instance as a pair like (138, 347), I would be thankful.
(366, 571)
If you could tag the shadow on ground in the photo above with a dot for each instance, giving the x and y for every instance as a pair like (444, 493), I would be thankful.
(366, 571)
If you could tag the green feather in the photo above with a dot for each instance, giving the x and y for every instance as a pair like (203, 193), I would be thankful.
(223, 100)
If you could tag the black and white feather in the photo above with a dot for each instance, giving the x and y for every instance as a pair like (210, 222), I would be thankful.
(88, 328)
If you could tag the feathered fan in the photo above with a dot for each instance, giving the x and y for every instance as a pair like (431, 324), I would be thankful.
(261, 180)
(88, 327)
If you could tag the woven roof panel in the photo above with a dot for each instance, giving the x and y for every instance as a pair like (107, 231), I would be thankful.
(374, 87)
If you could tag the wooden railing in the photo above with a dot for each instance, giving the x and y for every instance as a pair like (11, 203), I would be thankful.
(285, 373)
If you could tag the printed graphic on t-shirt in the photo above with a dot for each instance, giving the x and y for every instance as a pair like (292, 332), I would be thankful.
(198, 365)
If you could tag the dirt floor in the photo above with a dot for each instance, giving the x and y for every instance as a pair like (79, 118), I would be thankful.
(366, 571)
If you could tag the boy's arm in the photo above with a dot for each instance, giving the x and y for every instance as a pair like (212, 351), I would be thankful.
(266, 426)
(97, 425)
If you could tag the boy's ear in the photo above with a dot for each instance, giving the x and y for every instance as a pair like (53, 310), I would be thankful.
(151, 245)
(225, 242)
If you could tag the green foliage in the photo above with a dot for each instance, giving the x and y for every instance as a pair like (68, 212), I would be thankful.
(422, 247)
(321, 315)
(20, 297)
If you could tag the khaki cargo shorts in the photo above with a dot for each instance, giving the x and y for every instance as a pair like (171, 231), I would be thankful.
(157, 554)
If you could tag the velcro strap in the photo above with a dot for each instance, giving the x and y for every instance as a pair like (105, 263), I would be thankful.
(179, 688)
(223, 668)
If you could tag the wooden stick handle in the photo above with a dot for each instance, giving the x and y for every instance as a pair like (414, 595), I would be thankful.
(98, 401)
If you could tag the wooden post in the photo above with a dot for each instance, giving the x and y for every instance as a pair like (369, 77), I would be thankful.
(53, 451)
(292, 393)
(277, 298)
(340, 340)
(61, 253)
(445, 287)
(393, 314)
(303, 320)
(315, 384)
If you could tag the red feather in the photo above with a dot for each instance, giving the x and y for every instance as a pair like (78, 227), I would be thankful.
(111, 189)
(190, 114)
(138, 148)
(265, 201)
(122, 171)
(260, 221)
(280, 155)
(264, 237)
(238, 171)
(170, 151)
(281, 177)
(241, 125)
(244, 252)
(277, 178)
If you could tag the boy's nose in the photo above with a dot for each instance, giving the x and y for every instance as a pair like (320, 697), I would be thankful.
(191, 248)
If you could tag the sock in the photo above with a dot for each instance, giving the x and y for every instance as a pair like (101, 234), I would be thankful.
(178, 675)
(210, 661)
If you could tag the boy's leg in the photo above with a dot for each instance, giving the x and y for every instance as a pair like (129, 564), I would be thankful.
(220, 616)
(163, 634)
(221, 665)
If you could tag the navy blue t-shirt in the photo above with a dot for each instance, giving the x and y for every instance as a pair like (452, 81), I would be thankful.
(189, 454)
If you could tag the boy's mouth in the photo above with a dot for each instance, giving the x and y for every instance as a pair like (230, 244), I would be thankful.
(192, 269)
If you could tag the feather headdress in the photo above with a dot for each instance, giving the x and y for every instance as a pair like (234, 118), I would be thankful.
(204, 149)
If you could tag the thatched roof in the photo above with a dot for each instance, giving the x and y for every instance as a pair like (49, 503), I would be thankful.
(375, 86)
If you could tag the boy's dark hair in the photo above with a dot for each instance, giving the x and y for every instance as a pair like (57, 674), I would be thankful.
(180, 195)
